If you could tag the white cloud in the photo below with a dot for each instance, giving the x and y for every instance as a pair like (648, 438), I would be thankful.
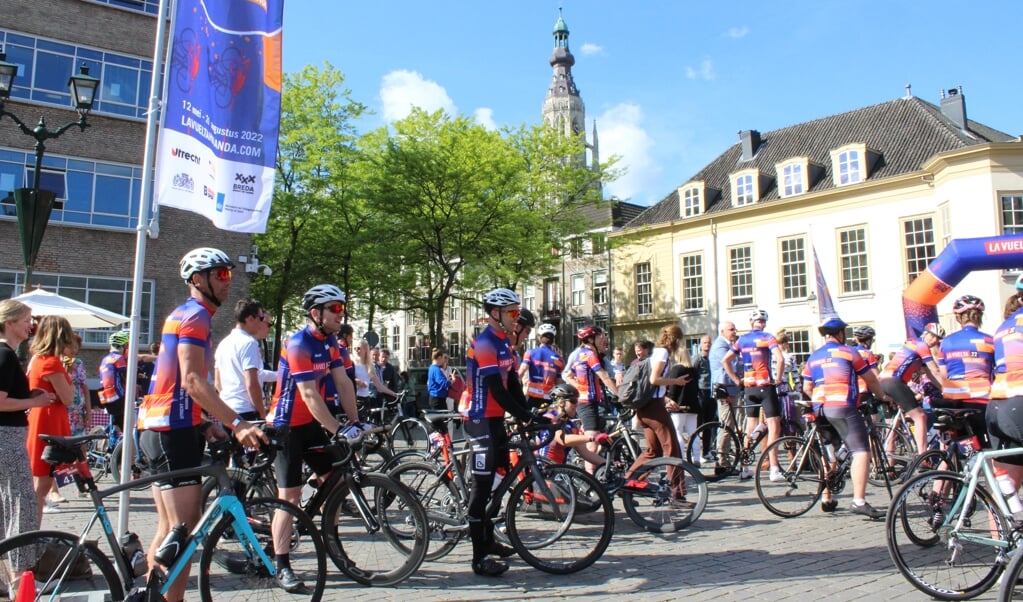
(589, 48)
(738, 32)
(620, 130)
(401, 90)
(485, 117)
(704, 71)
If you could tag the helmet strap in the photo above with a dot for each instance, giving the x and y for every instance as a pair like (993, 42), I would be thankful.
(318, 323)
(209, 287)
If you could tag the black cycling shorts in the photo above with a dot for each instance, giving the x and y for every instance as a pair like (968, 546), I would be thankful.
(173, 450)
(901, 393)
(851, 426)
(588, 415)
(1004, 419)
(488, 444)
(308, 443)
(767, 397)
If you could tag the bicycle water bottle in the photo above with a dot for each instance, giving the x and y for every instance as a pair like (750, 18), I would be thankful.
(1008, 489)
(172, 545)
(436, 440)
(842, 453)
(131, 547)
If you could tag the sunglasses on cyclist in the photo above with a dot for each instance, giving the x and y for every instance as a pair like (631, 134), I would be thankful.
(514, 313)
(337, 307)
(221, 274)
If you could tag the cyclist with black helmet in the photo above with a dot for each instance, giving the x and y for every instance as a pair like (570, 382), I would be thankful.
(587, 374)
(564, 400)
(915, 355)
(967, 363)
(170, 415)
(492, 388)
(829, 378)
(310, 376)
(540, 370)
(760, 352)
(864, 340)
(113, 369)
(523, 328)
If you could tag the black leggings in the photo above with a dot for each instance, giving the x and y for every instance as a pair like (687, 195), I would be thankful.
(489, 444)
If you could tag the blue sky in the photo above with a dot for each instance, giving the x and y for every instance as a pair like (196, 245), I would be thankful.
(669, 83)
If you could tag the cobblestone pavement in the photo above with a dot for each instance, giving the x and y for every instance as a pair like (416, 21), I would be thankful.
(736, 551)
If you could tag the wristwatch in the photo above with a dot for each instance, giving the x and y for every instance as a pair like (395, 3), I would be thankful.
(236, 422)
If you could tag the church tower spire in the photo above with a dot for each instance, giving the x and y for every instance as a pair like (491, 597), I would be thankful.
(563, 108)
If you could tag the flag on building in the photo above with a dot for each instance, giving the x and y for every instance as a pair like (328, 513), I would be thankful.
(825, 306)
(221, 115)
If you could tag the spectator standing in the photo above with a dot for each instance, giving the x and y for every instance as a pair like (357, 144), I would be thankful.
(617, 367)
(683, 403)
(80, 412)
(727, 404)
(708, 407)
(387, 372)
(239, 371)
(438, 379)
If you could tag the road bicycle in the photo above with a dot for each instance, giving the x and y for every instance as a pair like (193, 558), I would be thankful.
(954, 445)
(951, 534)
(100, 451)
(808, 464)
(733, 447)
(557, 517)
(237, 548)
(403, 432)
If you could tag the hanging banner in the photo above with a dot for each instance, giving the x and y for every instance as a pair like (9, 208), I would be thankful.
(218, 139)
(825, 307)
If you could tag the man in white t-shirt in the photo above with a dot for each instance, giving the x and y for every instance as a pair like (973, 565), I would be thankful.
(238, 370)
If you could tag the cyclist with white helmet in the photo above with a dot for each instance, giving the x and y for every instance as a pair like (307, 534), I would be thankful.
(170, 415)
(967, 363)
(759, 351)
(914, 355)
(1004, 415)
(492, 388)
(541, 367)
(310, 376)
(113, 369)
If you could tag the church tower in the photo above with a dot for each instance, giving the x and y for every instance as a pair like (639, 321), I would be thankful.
(563, 108)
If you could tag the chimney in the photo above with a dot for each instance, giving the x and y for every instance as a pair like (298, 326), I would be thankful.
(750, 140)
(953, 106)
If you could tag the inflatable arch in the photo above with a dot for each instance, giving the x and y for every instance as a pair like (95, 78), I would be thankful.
(960, 257)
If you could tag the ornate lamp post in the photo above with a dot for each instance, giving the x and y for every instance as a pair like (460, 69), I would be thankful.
(34, 204)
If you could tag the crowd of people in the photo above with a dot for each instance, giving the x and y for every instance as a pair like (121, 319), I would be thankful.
(324, 374)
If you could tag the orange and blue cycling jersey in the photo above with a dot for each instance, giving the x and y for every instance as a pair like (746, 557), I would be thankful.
(585, 369)
(545, 366)
(968, 356)
(168, 407)
(868, 356)
(308, 356)
(554, 450)
(833, 370)
(488, 354)
(1008, 341)
(349, 367)
(907, 361)
(755, 348)
(112, 370)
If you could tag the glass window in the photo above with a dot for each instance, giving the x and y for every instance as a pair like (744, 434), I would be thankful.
(144, 6)
(849, 167)
(453, 305)
(1012, 214)
(691, 202)
(740, 275)
(792, 179)
(793, 269)
(852, 251)
(598, 244)
(600, 287)
(576, 248)
(395, 341)
(920, 248)
(529, 297)
(578, 289)
(113, 294)
(744, 190)
(799, 344)
(644, 289)
(120, 85)
(692, 282)
(552, 296)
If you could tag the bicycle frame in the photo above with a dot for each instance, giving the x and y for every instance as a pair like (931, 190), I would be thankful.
(977, 464)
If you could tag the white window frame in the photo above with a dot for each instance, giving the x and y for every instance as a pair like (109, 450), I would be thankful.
(578, 289)
(600, 288)
(849, 164)
(691, 267)
(692, 200)
(854, 259)
(643, 276)
(919, 242)
(745, 188)
(740, 275)
(792, 177)
(792, 261)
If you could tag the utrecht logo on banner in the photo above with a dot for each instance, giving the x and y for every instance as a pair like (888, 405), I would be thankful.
(218, 140)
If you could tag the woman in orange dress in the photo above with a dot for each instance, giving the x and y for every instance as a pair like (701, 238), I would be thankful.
(54, 338)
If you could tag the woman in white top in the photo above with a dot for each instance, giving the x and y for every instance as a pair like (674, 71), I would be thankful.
(366, 373)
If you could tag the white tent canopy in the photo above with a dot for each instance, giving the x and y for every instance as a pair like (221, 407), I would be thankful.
(78, 313)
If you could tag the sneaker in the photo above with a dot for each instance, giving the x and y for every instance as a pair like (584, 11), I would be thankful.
(776, 475)
(829, 505)
(745, 473)
(499, 549)
(51, 508)
(55, 498)
(488, 567)
(866, 510)
(288, 581)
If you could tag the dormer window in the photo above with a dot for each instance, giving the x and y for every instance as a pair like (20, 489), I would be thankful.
(793, 179)
(692, 200)
(851, 164)
(744, 192)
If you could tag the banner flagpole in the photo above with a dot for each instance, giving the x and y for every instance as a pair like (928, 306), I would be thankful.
(825, 306)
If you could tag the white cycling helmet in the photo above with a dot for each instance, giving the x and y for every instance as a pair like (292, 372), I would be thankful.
(757, 314)
(320, 294)
(547, 329)
(500, 297)
(202, 259)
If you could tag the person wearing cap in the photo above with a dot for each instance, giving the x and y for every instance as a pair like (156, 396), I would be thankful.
(915, 355)
(541, 367)
(170, 414)
(829, 379)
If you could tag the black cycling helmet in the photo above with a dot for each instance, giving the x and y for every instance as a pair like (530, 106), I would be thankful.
(862, 333)
(526, 318)
(564, 391)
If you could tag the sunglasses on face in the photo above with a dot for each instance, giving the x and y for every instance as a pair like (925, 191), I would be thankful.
(221, 274)
(263, 317)
(514, 313)
(336, 307)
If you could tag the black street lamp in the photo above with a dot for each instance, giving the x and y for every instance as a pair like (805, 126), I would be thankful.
(34, 204)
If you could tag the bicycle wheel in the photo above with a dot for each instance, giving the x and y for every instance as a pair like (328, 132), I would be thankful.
(55, 558)
(264, 486)
(930, 552)
(227, 565)
(409, 434)
(382, 543)
(925, 462)
(652, 502)
(802, 477)
(897, 451)
(725, 451)
(438, 495)
(1012, 587)
(566, 534)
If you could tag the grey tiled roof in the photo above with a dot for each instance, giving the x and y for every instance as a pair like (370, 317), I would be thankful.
(906, 132)
(610, 212)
